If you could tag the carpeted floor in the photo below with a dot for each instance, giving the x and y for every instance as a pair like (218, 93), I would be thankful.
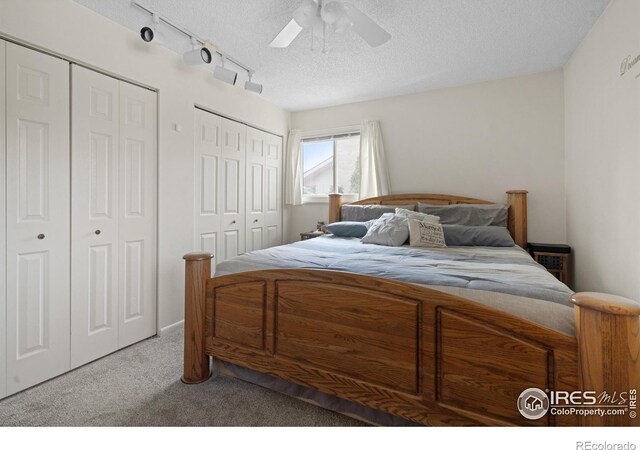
(140, 386)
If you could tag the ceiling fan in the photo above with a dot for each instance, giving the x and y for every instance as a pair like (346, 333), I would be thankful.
(337, 15)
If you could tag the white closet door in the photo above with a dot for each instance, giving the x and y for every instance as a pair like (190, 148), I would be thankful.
(3, 254)
(273, 190)
(138, 214)
(38, 248)
(232, 175)
(255, 239)
(208, 149)
(94, 222)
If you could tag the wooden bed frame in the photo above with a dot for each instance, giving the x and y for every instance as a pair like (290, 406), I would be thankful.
(406, 349)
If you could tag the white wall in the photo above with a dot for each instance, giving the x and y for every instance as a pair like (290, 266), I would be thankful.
(478, 141)
(71, 30)
(603, 154)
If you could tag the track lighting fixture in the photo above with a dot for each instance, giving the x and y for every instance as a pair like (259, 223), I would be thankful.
(198, 54)
(223, 74)
(251, 86)
(152, 33)
(202, 51)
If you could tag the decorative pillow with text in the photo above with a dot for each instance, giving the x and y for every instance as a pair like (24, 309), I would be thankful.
(425, 234)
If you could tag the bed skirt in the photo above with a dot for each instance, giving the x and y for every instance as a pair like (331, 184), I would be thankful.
(317, 398)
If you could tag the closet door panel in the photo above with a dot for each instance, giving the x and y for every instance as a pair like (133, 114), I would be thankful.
(208, 185)
(232, 194)
(3, 254)
(273, 190)
(94, 221)
(38, 247)
(137, 215)
(255, 211)
(256, 238)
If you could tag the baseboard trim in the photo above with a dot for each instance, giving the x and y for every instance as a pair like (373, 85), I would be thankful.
(170, 327)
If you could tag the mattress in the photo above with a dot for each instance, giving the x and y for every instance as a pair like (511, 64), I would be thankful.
(506, 278)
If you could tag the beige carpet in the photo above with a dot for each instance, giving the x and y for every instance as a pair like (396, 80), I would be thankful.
(140, 386)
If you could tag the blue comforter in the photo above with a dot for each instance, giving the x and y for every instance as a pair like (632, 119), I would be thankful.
(508, 270)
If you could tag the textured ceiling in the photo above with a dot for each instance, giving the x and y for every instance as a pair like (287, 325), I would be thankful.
(435, 43)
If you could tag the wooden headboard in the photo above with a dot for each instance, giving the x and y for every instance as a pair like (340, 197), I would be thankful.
(517, 200)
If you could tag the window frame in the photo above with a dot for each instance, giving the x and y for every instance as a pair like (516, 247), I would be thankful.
(326, 135)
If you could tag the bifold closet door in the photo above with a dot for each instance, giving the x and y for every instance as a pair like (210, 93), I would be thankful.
(219, 186)
(264, 190)
(232, 176)
(95, 207)
(255, 239)
(37, 180)
(3, 235)
(113, 208)
(273, 190)
(138, 214)
(208, 137)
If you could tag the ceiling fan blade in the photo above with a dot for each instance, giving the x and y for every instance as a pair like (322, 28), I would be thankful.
(287, 35)
(368, 30)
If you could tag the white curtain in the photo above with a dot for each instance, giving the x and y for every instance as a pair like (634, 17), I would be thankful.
(374, 176)
(293, 170)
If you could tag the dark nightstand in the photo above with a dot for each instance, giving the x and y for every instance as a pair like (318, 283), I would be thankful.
(310, 235)
(553, 257)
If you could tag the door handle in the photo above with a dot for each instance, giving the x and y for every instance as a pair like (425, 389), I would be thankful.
(233, 222)
(41, 236)
(255, 220)
(98, 232)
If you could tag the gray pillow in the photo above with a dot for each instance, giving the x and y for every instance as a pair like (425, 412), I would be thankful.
(390, 229)
(362, 213)
(348, 229)
(460, 235)
(417, 216)
(470, 215)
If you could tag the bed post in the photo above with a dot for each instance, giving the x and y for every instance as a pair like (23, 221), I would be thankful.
(608, 334)
(335, 203)
(196, 361)
(517, 223)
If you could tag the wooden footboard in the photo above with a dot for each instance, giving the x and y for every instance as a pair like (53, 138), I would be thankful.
(408, 350)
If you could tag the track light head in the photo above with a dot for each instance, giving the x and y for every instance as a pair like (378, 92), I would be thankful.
(198, 55)
(152, 33)
(251, 86)
(147, 34)
(224, 74)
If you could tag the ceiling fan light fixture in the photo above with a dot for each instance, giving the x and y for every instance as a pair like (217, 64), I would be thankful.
(332, 12)
(306, 13)
(339, 15)
(342, 25)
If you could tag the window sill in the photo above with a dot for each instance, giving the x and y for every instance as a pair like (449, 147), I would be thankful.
(324, 199)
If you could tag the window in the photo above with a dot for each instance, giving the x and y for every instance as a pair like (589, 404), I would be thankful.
(331, 164)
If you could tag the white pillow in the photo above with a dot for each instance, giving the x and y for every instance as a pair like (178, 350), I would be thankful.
(426, 234)
(417, 215)
(390, 229)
